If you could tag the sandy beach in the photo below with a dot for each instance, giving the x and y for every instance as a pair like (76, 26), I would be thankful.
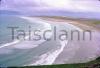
(85, 50)
(45, 52)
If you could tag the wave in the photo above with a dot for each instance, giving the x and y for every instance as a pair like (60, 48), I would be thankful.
(50, 57)
(23, 43)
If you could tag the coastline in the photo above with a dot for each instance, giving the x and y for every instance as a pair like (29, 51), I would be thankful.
(91, 53)
(67, 52)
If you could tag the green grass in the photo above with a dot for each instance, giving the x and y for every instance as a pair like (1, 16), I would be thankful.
(81, 65)
(96, 23)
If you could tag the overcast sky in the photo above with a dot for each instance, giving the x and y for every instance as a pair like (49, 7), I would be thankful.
(29, 6)
(70, 5)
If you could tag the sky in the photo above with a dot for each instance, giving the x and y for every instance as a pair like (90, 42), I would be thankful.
(29, 6)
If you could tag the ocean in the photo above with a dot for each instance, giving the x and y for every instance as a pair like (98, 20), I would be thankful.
(43, 52)
(24, 52)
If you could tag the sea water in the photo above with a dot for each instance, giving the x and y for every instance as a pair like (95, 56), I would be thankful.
(20, 53)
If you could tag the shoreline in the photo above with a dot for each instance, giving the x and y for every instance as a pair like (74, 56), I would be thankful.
(49, 58)
(91, 54)
(66, 53)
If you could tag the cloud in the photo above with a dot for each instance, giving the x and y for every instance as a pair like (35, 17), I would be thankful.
(29, 6)
(87, 6)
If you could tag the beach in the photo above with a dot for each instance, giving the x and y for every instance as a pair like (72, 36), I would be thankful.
(43, 52)
(86, 50)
